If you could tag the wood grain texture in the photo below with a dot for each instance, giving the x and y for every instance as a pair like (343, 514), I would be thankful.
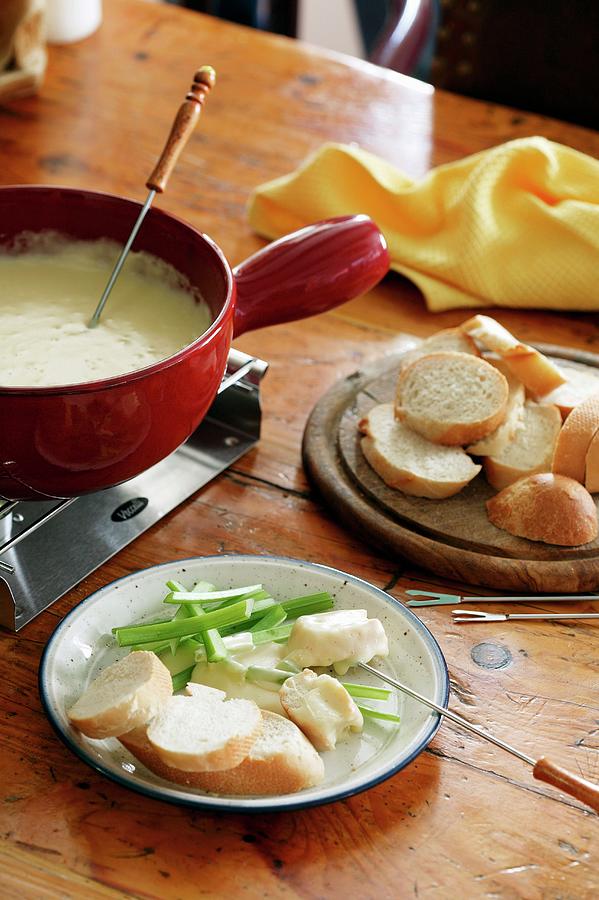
(463, 819)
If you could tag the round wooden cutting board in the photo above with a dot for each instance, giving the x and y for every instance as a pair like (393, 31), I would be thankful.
(451, 537)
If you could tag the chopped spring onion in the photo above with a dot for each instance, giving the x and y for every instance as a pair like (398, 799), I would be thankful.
(246, 640)
(275, 615)
(263, 673)
(365, 690)
(216, 649)
(183, 658)
(201, 586)
(175, 586)
(375, 714)
(279, 634)
(180, 614)
(234, 668)
(213, 642)
(196, 596)
(298, 606)
(289, 666)
(230, 616)
(181, 678)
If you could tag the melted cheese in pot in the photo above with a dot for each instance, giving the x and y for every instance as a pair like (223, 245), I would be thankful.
(48, 292)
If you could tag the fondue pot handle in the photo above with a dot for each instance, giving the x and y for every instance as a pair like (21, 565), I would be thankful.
(310, 271)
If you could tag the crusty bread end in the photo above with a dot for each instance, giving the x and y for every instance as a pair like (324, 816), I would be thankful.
(539, 374)
(546, 507)
(575, 438)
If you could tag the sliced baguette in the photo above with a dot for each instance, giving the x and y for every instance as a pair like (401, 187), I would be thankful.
(514, 416)
(447, 339)
(546, 507)
(124, 696)
(529, 366)
(591, 476)
(203, 732)
(407, 461)
(281, 761)
(575, 438)
(531, 449)
(581, 384)
(451, 398)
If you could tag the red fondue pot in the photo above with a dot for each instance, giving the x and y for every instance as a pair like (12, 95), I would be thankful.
(66, 441)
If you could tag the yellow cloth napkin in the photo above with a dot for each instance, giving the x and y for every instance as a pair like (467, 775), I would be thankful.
(516, 225)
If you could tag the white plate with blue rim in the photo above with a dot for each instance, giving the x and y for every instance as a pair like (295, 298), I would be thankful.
(83, 645)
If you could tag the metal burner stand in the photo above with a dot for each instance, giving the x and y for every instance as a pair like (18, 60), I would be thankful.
(48, 547)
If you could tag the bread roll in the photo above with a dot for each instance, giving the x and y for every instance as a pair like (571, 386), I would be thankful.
(546, 507)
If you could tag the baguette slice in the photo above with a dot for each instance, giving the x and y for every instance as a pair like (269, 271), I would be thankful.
(514, 416)
(447, 339)
(203, 732)
(407, 461)
(581, 384)
(124, 696)
(533, 369)
(531, 449)
(546, 507)
(575, 438)
(281, 761)
(451, 398)
(591, 476)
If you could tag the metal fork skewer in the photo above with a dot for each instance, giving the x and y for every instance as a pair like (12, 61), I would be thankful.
(442, 599)
(183, 125)
(543, 769)
(448, 714)
(477, 615)
(121, 261)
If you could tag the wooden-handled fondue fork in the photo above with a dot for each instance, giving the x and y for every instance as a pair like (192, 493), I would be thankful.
(542, 769)
(185, 121)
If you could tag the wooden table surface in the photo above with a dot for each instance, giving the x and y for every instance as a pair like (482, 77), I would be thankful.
(464, 819)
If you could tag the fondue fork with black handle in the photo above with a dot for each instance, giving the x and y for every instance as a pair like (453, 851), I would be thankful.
(185, 121)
